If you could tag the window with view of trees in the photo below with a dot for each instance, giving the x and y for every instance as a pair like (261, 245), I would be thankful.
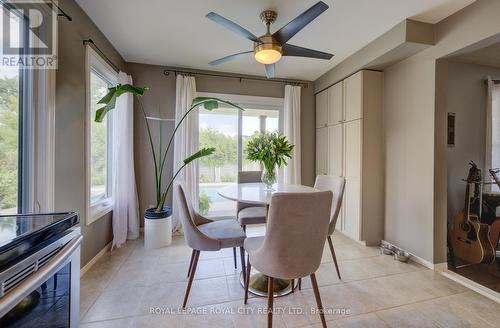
(228, 130)
(9, 142)
(13, 141)
(99, 141)
(99, 138)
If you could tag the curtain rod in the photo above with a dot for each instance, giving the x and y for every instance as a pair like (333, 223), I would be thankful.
(60, 12)
(291, 82)
(93, 45)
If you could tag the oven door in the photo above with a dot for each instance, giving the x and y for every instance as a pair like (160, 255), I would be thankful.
(49, 296)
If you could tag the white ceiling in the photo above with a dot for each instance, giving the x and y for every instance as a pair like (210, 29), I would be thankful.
(176, 33)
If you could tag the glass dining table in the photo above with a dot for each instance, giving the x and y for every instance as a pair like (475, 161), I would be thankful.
(259, 194)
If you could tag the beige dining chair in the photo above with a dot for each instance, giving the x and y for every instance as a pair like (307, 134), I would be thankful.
(337, 186)
(202, 234)
(250, 213)
(292, 248)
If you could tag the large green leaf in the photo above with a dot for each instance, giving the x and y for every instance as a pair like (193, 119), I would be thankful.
(109, 100)
(206, 151)
(211, 103)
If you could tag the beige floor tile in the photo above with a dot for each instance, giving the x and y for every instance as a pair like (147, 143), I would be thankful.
(481, 306)
(115, 304)
(361, 321)
(124, 279)
(118, 323)
(124, 286)
(434, 313)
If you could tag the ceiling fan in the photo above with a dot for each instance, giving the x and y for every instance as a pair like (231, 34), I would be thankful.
(269, 48)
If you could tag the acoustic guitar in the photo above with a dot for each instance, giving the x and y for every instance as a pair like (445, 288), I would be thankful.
(469, 237)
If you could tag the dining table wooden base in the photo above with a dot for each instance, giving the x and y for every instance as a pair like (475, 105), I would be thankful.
(259, 283)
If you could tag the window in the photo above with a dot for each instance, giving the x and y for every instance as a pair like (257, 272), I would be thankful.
(228, 130)
(14, 132)
(99, 138)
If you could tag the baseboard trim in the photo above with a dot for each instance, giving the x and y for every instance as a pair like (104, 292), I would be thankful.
(478, 288)
(96, 258)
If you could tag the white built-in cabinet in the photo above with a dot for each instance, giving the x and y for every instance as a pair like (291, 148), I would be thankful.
(349, 143)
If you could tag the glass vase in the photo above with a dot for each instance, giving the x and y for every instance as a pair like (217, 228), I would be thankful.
(269, 177)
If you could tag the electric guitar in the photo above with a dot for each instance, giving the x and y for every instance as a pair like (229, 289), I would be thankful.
(469, 237)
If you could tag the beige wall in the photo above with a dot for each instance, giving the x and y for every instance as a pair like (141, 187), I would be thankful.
(467, 98)
(70, 124)
(160, 100)
(415, 119)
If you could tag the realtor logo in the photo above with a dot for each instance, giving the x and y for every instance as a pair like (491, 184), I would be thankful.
(29, 34)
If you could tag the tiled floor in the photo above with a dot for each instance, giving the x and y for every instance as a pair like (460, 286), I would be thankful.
(376, 291)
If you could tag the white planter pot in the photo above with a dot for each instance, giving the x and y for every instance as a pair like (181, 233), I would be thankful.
(157, 232)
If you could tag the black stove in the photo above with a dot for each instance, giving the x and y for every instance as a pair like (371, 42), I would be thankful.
(22, 235)
(39, 270)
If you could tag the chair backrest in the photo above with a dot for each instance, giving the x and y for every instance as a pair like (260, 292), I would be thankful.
(337, 186)
(248, 177)
(296, 234)
(194, 237)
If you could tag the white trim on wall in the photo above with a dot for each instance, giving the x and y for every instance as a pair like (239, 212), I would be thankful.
(248, 101)
(491, 294)
(93, 61)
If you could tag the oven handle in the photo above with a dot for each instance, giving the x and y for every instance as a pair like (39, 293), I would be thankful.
(16, 295)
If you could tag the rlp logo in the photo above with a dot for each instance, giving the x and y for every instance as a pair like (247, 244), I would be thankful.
(28, 27)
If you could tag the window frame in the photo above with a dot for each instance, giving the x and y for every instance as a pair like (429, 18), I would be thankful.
(257, 102)
(98, 65)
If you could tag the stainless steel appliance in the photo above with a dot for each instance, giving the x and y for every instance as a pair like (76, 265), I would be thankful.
(40, 270)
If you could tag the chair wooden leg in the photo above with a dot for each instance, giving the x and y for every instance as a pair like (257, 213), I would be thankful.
(333, 255)
(191, 263)
(318, 300)
(300, 283)
(234, 256)
(243, 266)
(191, 276)
(247, 279)
(270, 294)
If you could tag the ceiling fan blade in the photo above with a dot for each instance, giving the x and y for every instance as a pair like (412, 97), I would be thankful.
(232, 26)
(291, 50)
(228, 58)
(270, 71)
(298, 23)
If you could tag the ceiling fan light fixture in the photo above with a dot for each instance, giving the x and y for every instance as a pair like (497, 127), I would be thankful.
(267, 53)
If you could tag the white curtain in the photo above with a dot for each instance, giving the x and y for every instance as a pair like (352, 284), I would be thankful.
(492, 142)
(186, 141)
(291, 118)
(125, 207)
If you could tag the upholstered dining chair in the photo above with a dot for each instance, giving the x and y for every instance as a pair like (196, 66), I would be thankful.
(250, 213)
(292, 248)
(202, 234)
(337, 186)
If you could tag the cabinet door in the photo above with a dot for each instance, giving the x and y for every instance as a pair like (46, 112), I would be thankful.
(322, 109)
(335, 150)
(353, 92)
(336, 103)
(321, 151)
(352, 205)
(352, 172)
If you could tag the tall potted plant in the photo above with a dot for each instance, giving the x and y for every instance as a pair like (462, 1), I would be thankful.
(160, 211)
(272, 151)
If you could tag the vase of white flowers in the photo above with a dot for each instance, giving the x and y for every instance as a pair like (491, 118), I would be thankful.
(272, 150)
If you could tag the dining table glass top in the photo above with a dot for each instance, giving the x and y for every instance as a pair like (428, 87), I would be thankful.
(257, 193)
